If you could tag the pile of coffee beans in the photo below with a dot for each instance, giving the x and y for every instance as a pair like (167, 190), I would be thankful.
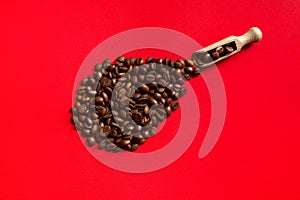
(123, 102)
(202, 58)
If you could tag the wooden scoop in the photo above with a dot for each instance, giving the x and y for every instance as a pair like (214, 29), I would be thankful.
(225, 48)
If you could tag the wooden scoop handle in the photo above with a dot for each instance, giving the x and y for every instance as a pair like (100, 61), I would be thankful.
(254, 34)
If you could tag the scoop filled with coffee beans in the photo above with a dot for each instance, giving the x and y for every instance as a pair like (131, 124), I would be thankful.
(123, 102)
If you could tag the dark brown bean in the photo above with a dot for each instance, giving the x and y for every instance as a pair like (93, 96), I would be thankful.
(215, 55)
(146, 110)
(189, 62)
(121, 59)
(144, 88)
(152, 101)
(188, 70)
(90, 141)
(220, 50)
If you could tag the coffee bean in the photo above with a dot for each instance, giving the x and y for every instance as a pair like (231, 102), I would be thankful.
(90, 141)
(206, 57)
(132, 61)
(105, 96)
(134, 79)
(229, 49)
(188, 70)
(138, 141)
(153, 131)
(140, 61)
(141, 77)
(215, 55)
(124, 143)
(134, 147)
(121, 59)
(106, 82)
(160, 89)
(98, 67)
(196, 72)
(220, 50)
(178, 65)
(102, 144)
(129, 127)
(175, 105)
(146, 134)
(165, 61)
(152, 101)
(189, 62)
(82, 109)
(95, 129)
(146, 110)
(157, 96)
(144, 88)
(171, 63)
(150, 77)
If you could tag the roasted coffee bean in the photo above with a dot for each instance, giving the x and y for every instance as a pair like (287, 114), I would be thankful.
(146, 134)
(86, 132)
(92, 92)
(171, 63)
(137, 95)
(106, 63)
(129, 127)
(132, 61)
(229, 49)
(152, 101)
(196, 72)
(141, 77)
(157, 96)
(90, 141)
(151, 60)
(106, 82)
(188, 70)
(73, 121)
(189, 62)
(150, 77)
(134, 79)
(102, 144)
(153, 131)
(84, 81)
(165, 61)
(95, 129)
(153, 85)
(82, 109)
(140, 61)
(178, 65)
(134, 147)
(159, 60)
(123, 114)
(215, 55)
(122, 69)
(144, 88)
(138, 141)
(127, 62)
(121, 59)
(151, 92)
(175, 105)
(105, 96)
(160, 89)
(98, 67)
(146, 110)
(220, 50)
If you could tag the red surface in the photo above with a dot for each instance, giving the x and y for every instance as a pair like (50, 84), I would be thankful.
(42, 47)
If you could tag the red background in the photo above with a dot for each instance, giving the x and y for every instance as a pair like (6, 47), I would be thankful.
(42, 46)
